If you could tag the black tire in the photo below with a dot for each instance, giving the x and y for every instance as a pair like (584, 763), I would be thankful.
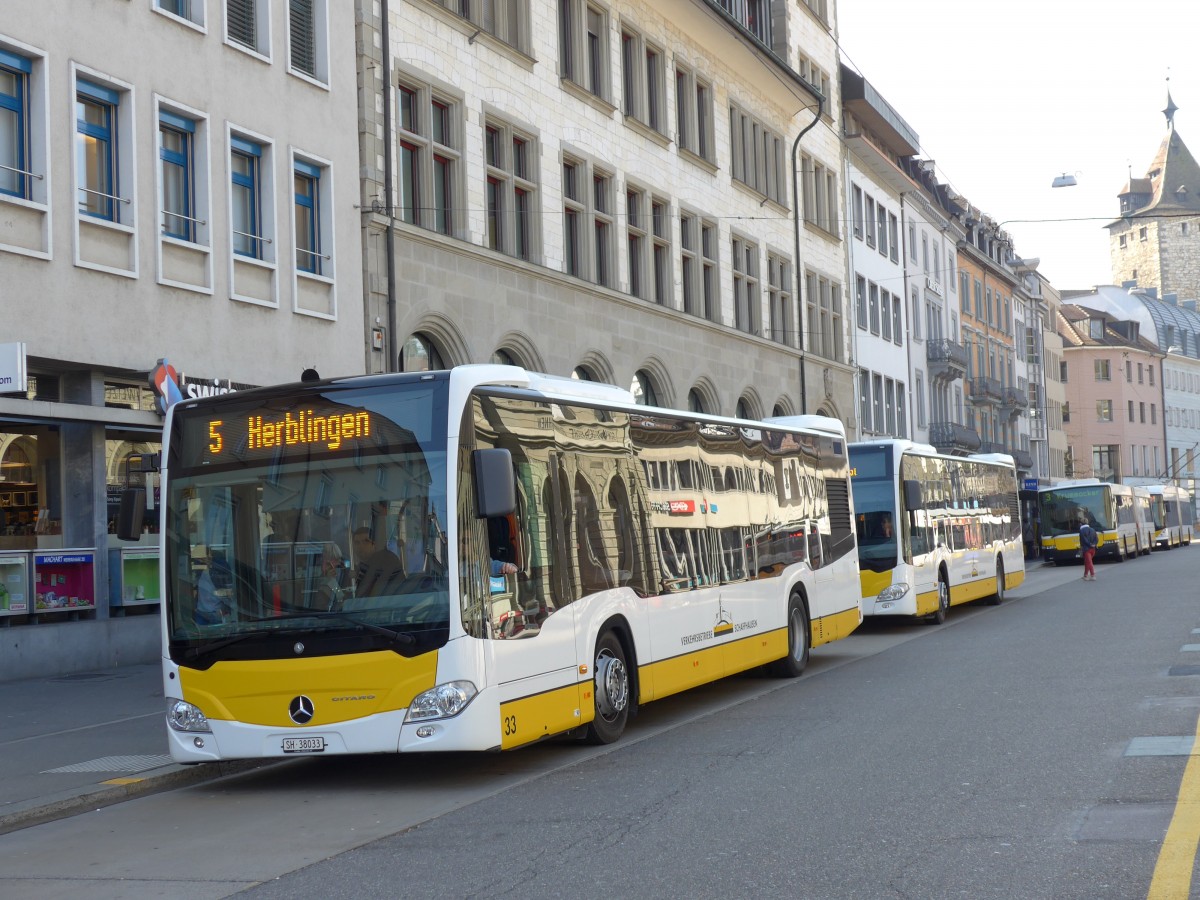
(939, 616)
(799, 641)
(997, 598)
(612, 689)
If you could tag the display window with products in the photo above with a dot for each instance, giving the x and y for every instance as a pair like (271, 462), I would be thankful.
(14, 585)
(24, 493)
(64, 581)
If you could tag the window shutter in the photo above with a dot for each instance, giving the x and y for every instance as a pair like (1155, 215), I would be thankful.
(241, 22)
(303, 49)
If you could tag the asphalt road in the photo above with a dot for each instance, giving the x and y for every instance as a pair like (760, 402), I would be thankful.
(1035, 749)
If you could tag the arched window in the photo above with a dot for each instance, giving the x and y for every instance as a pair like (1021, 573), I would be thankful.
(419, 354)
(583, 373)
(643, 389)
(743, 410)
(778, 411)
(695, 401)
(504, 358)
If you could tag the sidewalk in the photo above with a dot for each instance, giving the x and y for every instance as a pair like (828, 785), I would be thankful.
(75, 742)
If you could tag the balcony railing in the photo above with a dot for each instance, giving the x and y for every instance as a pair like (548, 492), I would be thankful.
(1014, 400)
(1023, 458)
(986, 390)
(947, 359)
(950, 437)
(992, 447)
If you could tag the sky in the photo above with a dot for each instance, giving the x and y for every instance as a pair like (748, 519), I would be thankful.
(1006, 97)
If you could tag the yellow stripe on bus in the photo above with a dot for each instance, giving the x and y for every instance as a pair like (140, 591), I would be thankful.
(341, 688)
(529, 719)
(872, 583)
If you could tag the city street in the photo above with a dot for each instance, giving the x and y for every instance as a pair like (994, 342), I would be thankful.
(1034, 749)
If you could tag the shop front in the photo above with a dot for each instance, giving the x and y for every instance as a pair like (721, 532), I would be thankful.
(73, 597)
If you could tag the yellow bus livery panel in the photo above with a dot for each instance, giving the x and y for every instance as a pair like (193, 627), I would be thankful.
(342, 688)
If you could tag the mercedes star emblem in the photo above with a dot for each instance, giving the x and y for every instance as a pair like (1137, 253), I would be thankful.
(301, 710)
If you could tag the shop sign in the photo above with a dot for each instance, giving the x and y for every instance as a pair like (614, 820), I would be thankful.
(13, 376)
(1031, 484)
(171, 386)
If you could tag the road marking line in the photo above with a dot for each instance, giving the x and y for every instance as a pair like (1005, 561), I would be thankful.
(123, 781)
(1177, 856)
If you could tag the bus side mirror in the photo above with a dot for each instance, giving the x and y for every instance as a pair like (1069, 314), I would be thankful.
(495, 483)
(131, 514)
(912, 495)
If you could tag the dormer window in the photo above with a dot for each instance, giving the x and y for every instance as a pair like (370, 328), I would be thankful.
(1096, 329)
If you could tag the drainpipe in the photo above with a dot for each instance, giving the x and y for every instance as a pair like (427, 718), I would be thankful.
(393, 318)
(799, 275)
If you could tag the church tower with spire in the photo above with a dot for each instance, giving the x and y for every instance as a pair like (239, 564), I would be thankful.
(1156, 241)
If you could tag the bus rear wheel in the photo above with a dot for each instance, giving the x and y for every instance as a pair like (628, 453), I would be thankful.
(612, 692)
(939, 615)
(799, 641)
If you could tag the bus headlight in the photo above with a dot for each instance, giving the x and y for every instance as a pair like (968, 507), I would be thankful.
(441, 702)
(892, 592)
(185, 717)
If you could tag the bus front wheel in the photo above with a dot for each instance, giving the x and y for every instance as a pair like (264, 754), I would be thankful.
(997, 598)
(938, 616)
(612, 691)
(799, 641)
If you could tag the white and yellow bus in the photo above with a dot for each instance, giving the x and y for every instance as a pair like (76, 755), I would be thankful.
(1143, 516)
(1172, 510)
(934, 531)
(532, 556)
(1111, 509)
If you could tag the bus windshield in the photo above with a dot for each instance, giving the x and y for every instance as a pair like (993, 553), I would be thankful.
(321, 514)
(874, 507)
(1065, 508)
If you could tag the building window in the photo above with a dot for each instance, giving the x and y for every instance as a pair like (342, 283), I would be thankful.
(860, 301)
(893, 237)
(779, 297)
(757, 157)
(698, 254)
(420, 354)
(915, 316)
(511, 189)
(746, 297)
(979, 300)
(16, 176)
(505, 20)
(642, 388)
(1130, 410)
(897, 320)
(1104, 411)
(97, 163)
(429, 159)
(574, 213)
(864, 400)
(583, 45)
(246, 24)
(177, 140)
(694, 113)
(920, 392)
(824, 306)
(885, 314)
(311, 184)
(873, 305)
(753, 15)
(878, 403)
(881, 221)
(248, 211)
(870, 216)
(637, 239)
(643, 81)
(856, 210)
(191, 10)
(660, 249)
(821, 202)
(1103, 370)
(307, 38)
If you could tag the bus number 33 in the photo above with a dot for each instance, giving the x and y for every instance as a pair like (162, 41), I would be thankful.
(510, 726)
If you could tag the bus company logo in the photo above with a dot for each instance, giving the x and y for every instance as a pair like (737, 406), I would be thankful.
(724, 624)
(301, 710)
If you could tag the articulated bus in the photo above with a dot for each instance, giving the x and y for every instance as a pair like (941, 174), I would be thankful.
(1172, 509)
(934, 531)
(480, 558)
(1112, 509)
(1143, 517)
